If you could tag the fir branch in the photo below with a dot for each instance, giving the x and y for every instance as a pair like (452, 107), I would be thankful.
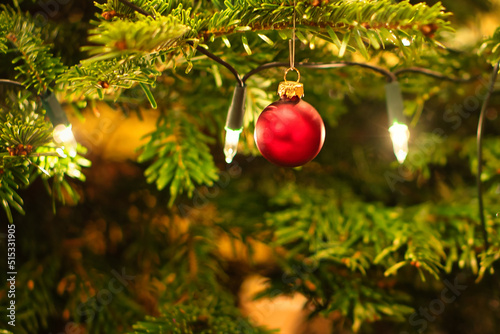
(480, 127)
(26, 130)
(372, 20)
(491, 47)
(35, 62)
(95, 78)
(27, 151)
(8, 186)
(182, 157)
(136, 8)
(488, 259)
(56, 170)
(348, 25)
(328, 238)
(34, 305)
(204, 316)
(128, 9)
(126, 38)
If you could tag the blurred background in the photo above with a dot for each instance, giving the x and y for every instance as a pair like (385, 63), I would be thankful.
(225, 236)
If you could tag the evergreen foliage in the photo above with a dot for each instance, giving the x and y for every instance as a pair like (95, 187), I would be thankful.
(360, 237)
(28, 152)
(34, 62)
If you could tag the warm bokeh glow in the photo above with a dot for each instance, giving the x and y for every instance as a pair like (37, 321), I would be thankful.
(64, 135)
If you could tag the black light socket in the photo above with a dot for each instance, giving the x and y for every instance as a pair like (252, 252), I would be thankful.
(53, 108)
(236, 111)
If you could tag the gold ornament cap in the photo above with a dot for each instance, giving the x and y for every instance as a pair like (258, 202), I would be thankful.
(291, 88)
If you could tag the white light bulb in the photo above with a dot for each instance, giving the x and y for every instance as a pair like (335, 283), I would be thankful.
(231, 145)
(64, 135)
(400, 136)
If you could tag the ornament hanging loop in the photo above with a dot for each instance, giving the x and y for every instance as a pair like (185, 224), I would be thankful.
(292, 69)
(290, 89)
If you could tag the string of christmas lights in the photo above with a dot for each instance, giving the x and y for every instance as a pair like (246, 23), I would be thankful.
(234, 123)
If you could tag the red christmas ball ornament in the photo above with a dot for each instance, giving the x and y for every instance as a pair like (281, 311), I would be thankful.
(289, 132)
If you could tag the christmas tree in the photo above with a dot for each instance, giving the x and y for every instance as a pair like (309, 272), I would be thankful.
(137, 198)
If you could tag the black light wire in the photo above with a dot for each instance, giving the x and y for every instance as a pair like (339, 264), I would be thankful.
(434, 74)
(219, 60)
(480, 132)
(336, 64)
(11, 82)
(137, 8)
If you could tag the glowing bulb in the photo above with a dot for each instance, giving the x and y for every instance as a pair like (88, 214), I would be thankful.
(400, 136)
(406, 42)
(231, 145)
(64, 135)
(234, 122)
(61, 152)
